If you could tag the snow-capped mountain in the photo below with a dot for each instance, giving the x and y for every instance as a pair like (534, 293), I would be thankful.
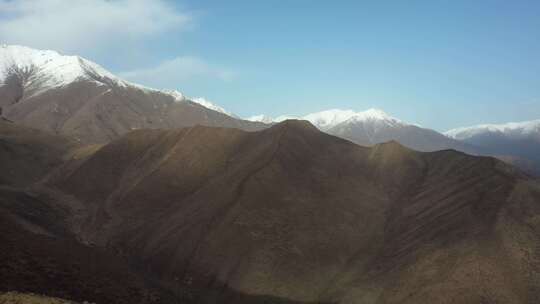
(261, 118)
(374, 126)
(515, 141)
(41, 70)
(73, 96)
(511, 129)
(179, 97)
(329, 119)
(212, 106)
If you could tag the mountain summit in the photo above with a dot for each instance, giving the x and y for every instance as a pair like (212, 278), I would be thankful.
(374, 126)
(326, 120)
(40, 70)
(72, 96)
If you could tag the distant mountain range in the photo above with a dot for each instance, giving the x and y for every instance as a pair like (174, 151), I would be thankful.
(72, 96)
(375, 126)
(111, 192)
(518, 142)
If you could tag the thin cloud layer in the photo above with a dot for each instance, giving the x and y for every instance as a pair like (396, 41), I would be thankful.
(73, 25)
(173, 73)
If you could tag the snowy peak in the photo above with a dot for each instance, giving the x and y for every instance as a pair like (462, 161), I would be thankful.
(373, 114)
(212, 106)
(328, 119)
(45, 69)
(41, 70)
(261, 118)
(519, 129)
(178, 96)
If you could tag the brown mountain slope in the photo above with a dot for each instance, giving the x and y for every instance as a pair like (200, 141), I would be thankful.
(27, 154)
(40, 254)
(41, 248)
(97, 112)
(297, 214)
(74, 97)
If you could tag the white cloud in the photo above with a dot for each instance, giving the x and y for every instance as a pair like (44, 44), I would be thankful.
(75, 25)
(173, 73)
(121, 31)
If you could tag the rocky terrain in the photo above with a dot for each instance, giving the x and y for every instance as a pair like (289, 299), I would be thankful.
(284, 215)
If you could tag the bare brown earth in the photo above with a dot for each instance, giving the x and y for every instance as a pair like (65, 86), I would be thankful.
(29, 298)
(525, 164)
(26, 154)
(283, 215)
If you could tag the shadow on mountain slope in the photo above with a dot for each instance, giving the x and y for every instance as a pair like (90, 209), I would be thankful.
(222, 215)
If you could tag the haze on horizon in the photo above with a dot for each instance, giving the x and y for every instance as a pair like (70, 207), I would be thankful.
(441, 65)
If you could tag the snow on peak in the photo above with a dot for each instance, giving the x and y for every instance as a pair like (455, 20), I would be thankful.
(261, 118)
(44, 69)
(41, 70)
(178, 96)
(523, 128)
(210, 105)
(328, 119)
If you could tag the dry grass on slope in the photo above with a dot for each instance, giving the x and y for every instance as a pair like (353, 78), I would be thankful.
(30, 298)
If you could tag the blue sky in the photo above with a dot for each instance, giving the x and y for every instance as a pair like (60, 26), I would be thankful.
(441, 64)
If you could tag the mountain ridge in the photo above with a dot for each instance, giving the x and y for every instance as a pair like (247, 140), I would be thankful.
(74, 97)
(516, 142)
(287, 214)
(61, 70)
(374, 126)
(267, 191)
(522, 128)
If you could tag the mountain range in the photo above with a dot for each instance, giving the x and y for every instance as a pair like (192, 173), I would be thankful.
(519, 143)
(515, 143)
(111, 192)
(72, 96)
(375, 126)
